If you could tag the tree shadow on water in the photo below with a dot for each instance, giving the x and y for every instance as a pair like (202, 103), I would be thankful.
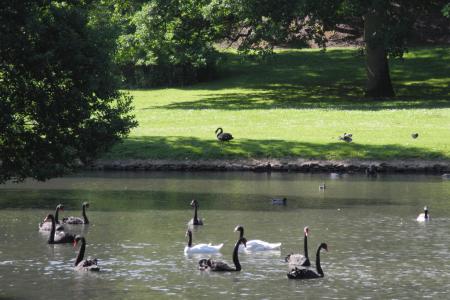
(180, 148)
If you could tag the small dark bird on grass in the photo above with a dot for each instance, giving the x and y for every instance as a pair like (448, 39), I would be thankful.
(415, 135)
(223, 136)
(347, 137)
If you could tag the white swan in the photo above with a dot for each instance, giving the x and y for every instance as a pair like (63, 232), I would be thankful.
(200, 248)
(256, 245)
(425, 216)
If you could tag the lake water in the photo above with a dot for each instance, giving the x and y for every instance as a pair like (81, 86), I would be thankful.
(377, 250)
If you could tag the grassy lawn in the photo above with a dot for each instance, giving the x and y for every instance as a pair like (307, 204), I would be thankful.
(296, 105)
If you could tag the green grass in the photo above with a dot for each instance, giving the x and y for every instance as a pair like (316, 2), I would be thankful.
(296, 105)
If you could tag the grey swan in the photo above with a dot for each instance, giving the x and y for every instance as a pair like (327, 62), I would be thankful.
(218, 266)
(78, 220)
(223, 136)
(195, 220)
(301, 273)
(84, 264)
(47, 226)
(296, 260)
(59, 237)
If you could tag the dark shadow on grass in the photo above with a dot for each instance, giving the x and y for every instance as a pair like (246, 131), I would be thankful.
(334, 79)
(181, 148)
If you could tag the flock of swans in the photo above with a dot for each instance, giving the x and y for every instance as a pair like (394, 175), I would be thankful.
(299, 265)
(58, 235)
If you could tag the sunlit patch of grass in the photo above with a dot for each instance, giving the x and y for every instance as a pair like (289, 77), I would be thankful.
(296, 105)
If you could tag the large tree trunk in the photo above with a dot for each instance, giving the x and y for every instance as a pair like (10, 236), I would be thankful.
(377, 67)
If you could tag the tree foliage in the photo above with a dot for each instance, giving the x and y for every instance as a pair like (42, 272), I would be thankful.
(167, 42)
(59, 100)
(261, 24)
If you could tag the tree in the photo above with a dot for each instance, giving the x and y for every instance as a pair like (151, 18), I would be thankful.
(166, 42)
(261, 24)
(59, 100)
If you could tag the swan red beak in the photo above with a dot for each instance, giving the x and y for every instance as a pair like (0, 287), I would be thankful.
(74, 243)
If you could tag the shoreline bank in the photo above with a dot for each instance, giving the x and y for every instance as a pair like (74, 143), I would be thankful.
(277, 165)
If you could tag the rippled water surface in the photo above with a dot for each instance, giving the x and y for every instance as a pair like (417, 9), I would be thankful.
(377, 250)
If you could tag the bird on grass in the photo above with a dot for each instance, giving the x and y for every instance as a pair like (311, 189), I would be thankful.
(223, 136)
(415, 135)
(347, 137)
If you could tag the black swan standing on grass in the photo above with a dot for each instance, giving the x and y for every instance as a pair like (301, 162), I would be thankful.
(195, 220)
(59, 237)
(297, 260)
(301, 273)
(84, 264)
(47, 226)
(223, 136)
(218, 266)
(78, 220)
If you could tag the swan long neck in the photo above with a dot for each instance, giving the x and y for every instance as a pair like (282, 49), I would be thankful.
(190, 239)
(241, 232)
(80, 255)
(56, 215)
(236, 262)
(305, 245)
(86, 221)
(219, 131)
(195, 213)
(318, 267)
(51, 238)
(426, 213)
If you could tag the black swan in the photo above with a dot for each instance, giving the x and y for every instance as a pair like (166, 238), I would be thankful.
(425, 216)
(415, 135)
(47, 226)
(77, 220)
(301, 273)
(296, 260)
(195, 220)
(256, 245)
(84, 264)
(218, 266)
(223, 136)
(59, 237)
